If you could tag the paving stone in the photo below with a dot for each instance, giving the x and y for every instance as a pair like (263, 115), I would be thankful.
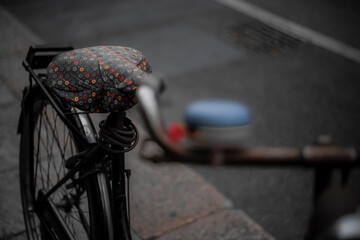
(134, 236)
(167, 196)
(120, 17)
(21, 235)
(11, 219)
(15, 40)
(13, 74)
(224, 225)
(9, 142)
(15, 37)
(176, 48)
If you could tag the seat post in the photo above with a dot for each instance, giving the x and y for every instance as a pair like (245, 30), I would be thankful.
(116, 120)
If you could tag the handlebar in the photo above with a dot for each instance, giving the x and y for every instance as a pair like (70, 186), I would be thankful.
(147, 95)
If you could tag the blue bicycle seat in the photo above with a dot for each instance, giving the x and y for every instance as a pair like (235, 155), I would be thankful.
(217, 114)
(217, 122)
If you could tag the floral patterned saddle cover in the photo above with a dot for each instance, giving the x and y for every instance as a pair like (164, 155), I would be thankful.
(98, 79)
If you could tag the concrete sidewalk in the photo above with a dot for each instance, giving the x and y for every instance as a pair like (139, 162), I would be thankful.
(169, 201)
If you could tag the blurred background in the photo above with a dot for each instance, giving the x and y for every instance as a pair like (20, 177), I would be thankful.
(296, 89)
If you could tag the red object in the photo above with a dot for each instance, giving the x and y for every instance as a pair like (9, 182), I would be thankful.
(176, 132)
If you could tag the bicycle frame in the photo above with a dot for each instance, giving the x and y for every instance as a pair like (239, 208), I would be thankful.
(90, 150)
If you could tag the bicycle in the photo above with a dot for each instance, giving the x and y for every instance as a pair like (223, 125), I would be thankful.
(79, 189)
(73, 182)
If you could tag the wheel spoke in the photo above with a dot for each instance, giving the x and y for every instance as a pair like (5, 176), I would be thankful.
(53, 144)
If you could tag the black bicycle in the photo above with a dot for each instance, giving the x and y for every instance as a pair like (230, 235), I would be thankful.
(74, 181)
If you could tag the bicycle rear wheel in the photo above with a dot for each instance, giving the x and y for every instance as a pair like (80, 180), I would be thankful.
(78, 209)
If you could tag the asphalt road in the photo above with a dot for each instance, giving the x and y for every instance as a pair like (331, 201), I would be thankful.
(295, 91)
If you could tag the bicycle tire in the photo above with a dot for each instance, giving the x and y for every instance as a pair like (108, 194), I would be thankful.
(46, 142)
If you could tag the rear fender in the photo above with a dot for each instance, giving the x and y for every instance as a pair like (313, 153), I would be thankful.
(25, 104)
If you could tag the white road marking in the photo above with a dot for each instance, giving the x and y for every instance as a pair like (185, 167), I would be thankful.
(294, 29)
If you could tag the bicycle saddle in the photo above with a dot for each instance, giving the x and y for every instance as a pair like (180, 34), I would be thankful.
(217, 121)
(98, 79)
